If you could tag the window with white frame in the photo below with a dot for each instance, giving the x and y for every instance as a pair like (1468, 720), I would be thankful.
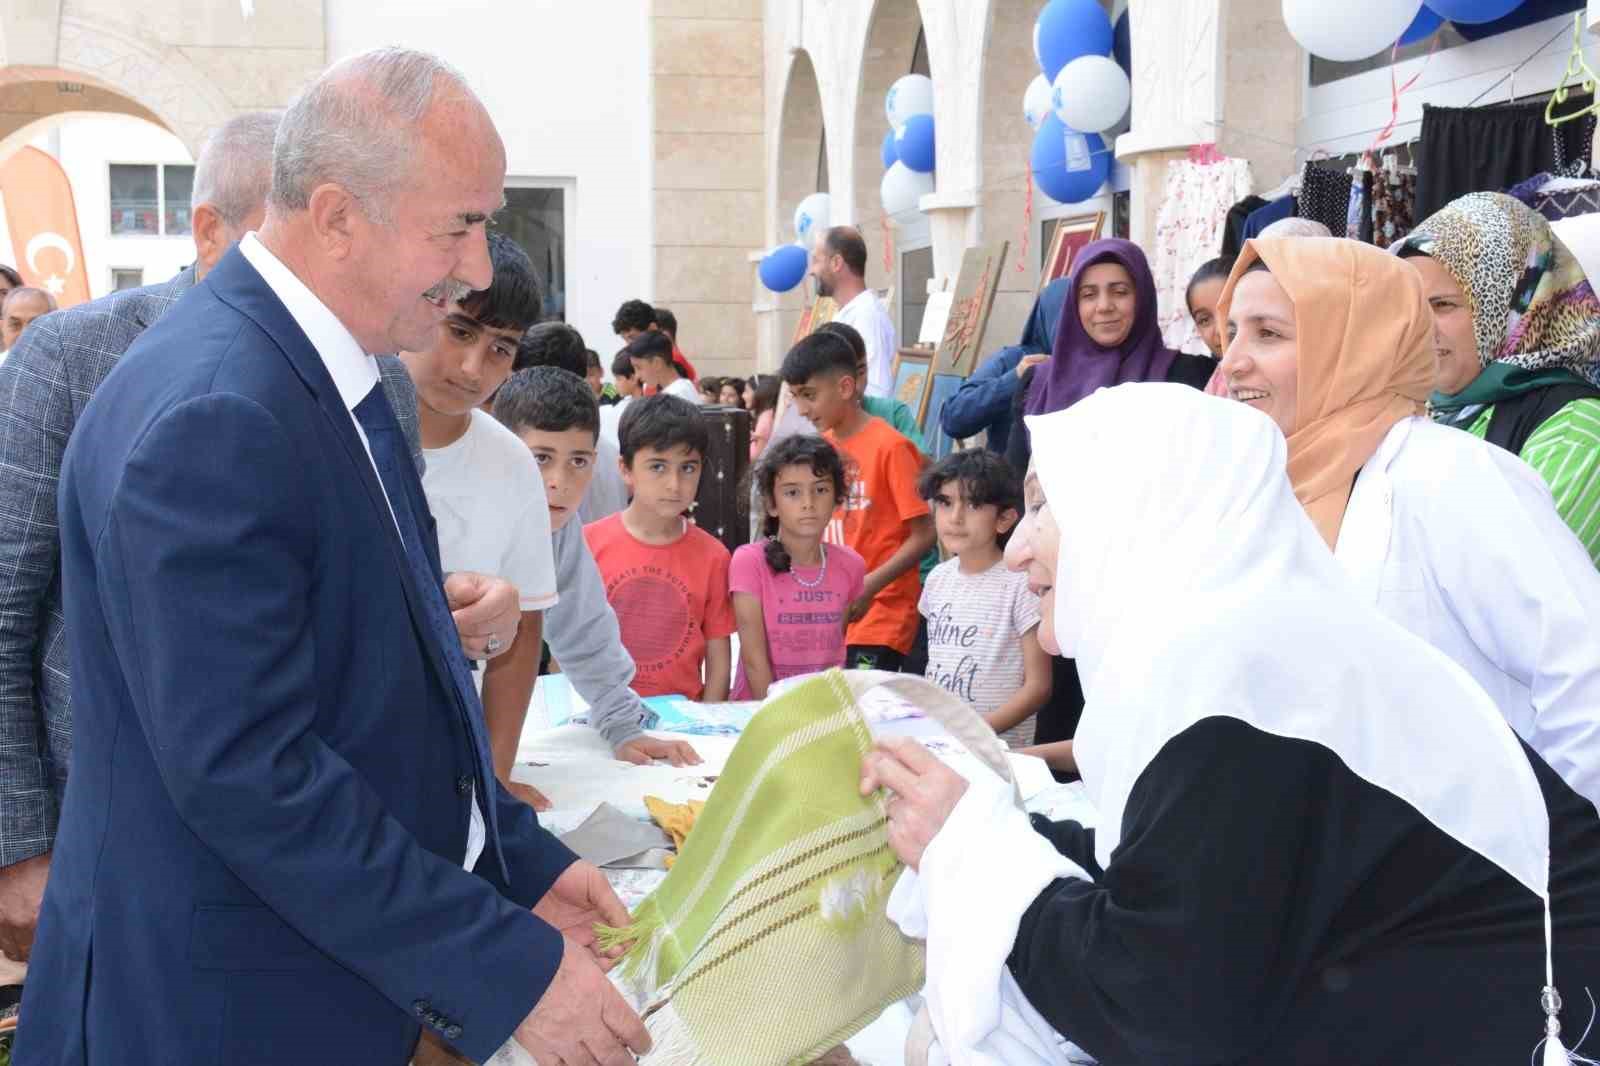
(126, 278)
(536, 217)
(150, 199)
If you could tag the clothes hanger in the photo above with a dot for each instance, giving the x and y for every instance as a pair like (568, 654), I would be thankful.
(1577, 72)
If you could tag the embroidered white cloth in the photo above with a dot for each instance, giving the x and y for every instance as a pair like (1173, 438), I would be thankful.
(1194, 210)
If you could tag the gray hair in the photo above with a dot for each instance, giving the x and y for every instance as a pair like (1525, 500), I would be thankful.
(234, 171)
(1296, 227)
(25, 291)
(356, 126)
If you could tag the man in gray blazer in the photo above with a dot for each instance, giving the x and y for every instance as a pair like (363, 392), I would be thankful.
(45, 384)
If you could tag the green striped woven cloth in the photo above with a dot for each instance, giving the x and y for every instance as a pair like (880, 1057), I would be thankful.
(768, 944)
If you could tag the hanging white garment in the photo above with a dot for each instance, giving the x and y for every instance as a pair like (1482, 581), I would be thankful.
(1189, 225)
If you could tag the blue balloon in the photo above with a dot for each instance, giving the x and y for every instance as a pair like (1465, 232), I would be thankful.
(1068, 166)
(1473, 11)
(1122, 44)
(1526, 14)
(1425, 25)
(784, 267)
(1068, 29)
(913, 143)
(890, 156)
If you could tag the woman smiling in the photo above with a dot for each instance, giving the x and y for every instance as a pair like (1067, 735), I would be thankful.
(1455, 539)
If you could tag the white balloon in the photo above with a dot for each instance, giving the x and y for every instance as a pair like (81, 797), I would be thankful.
(902, 191)
(911, 95)
(1091, 94)
(814, 215)
(1349, 29)
(1036, 101)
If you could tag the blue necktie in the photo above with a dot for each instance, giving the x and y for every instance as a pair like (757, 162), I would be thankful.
(392, 457)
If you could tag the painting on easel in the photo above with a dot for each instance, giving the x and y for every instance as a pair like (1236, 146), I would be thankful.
(962, 345)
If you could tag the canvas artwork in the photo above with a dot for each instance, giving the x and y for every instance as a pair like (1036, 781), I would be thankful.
(944, 386)
(962, 345)
(910, 381)
(1070, 237)
(816, 314)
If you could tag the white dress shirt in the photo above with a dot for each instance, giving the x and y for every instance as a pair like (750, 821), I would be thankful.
(1459, 541)
(354, 374)
(867, 317)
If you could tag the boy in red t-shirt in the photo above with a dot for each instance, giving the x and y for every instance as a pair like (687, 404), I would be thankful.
(882, 518)
(666, 578)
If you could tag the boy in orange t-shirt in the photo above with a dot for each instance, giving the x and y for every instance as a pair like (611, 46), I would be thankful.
(666, 578)
(883, 518)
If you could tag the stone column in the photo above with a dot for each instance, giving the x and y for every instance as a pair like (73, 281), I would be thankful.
(1178, 72)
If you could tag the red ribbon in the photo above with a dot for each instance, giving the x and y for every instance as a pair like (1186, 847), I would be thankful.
(1396, 91)
(888, 243)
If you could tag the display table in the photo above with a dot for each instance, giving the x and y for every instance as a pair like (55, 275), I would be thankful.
(575, 769)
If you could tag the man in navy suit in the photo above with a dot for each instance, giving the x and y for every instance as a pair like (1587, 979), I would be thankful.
(282, 838)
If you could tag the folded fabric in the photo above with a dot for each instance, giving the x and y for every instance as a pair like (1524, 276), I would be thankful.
(609, 837)
(768, 943)
(676, 818)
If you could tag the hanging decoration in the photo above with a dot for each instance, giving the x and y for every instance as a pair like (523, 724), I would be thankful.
(1067, 29)
(1068, 166)
(1091, 93)
(911, 95)
(902, 190)
(1036, 101)
(913, 143)
(1425, 25)
(1472, 12)
(890, 156)
(814, 215)
(784, 267)
(1349, 29)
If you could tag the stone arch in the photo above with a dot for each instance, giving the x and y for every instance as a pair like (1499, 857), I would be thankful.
(894, 34)
(33, 99)
(159, 79)
(801, 167)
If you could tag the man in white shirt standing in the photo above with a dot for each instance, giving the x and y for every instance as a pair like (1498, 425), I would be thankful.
(483, 487)
(839, 266)
(651, 353)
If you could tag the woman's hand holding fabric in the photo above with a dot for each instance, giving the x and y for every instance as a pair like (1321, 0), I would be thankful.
(924, 789)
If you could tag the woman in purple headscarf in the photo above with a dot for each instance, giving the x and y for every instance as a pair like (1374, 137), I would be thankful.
(1108, 334)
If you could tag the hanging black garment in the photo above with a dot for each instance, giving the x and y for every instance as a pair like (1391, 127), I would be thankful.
(1486, 149)
(1233, 227)
(1325, 197)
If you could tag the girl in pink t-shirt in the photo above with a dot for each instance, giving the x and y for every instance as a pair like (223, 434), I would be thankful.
(791, 592)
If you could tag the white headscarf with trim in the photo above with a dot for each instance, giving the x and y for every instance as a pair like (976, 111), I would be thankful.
(1191, 584)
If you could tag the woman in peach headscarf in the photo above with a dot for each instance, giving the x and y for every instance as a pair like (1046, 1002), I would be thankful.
(1453, 538)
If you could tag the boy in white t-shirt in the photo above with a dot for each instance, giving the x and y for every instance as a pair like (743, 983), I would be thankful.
(483, 487)
(982, 620)
(651, 353)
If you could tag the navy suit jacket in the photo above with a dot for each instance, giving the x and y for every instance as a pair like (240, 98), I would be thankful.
(259, 856)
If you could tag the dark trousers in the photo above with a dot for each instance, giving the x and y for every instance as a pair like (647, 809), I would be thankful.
(872, 657)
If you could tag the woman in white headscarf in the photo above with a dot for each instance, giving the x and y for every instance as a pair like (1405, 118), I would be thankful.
(1319, 840)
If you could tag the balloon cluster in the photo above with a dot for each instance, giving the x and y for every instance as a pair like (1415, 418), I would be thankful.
(908, 147)
(785, 266)
(1083, 90)
(1355, 29)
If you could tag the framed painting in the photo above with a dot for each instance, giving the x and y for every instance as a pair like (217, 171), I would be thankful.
(910, 382)
(814, 315)
(962, 345)
(1066, 241)
(944, 386)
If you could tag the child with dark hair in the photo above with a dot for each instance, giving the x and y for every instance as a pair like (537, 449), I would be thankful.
(481, 486)
(595, 375)
(625, 377)
(982, 619)
(881, 517)
(633, 318)
(1204, 290)
(710, 390)
(731, 394)
(651, 353)
(666, 578)
(553, 414)
(761, 399)
(888, 408)
(552, 344)
(792, 592)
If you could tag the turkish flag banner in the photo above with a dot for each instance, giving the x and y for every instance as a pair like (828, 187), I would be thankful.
(43, 220)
